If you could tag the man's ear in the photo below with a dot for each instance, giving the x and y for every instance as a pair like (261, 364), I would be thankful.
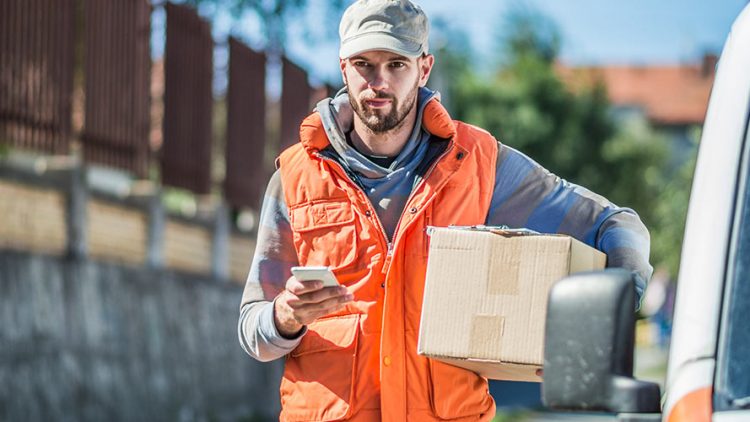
(342, 66)
(425, 68)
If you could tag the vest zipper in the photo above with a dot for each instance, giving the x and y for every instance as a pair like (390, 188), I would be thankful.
(388, 243)
(388, 258)
(391, 245)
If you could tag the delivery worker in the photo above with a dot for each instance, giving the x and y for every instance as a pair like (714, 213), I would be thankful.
(374, 166)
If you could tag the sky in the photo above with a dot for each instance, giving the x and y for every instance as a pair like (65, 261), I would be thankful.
(594, 32)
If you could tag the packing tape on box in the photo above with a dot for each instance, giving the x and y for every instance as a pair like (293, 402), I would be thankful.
(502, 277)
(486, 336)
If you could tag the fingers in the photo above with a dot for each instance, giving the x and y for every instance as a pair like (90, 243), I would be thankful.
(298, 287)
(316, 296)
(305, 301)
(304, 313)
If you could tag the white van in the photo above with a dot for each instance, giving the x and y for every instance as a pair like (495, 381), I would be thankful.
(590, 322)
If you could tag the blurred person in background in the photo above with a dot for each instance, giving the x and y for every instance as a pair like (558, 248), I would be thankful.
(375, 166)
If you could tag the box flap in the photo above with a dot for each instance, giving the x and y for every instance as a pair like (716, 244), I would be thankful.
(501, 230)
(497, 370)
(585, 258)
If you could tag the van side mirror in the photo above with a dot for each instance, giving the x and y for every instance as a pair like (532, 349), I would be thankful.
(589, 342)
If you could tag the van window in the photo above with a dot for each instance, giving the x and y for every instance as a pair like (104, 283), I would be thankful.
(733, 365)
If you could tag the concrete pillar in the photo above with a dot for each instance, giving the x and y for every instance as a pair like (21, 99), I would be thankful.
(221, 239)
(156, 227)
(76, 201)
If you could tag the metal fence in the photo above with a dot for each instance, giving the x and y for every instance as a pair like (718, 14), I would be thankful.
(295, 102)
(117, 66)
(36, 73)
(188, 101)
(246, 126)
(39, 44)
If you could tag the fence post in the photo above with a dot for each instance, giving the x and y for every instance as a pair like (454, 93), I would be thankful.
(156, 227)
(76, 210)
(220, 246)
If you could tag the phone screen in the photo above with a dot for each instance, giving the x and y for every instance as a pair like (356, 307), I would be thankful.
(323, 274)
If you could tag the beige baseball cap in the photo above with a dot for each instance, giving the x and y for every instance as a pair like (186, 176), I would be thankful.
(399, 26)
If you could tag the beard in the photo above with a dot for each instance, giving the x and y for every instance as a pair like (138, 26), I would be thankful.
(378, 121)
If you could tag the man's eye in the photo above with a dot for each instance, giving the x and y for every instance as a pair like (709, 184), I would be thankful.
(361, 64)
(398, 65)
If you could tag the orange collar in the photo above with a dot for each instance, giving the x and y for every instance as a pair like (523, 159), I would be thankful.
(435, 120)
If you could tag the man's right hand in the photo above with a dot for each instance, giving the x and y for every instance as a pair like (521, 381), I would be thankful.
(302, 302)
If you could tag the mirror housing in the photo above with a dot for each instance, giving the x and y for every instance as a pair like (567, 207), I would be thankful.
(589, 346)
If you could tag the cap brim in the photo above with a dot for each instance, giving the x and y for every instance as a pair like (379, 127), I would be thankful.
(379, 41)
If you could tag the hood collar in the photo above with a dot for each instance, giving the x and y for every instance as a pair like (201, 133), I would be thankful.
(435, 120)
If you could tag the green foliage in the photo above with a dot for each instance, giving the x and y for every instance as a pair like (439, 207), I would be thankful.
(179, 201)
(453, 65)
(526, 105)
(526, 32)
(670, 211)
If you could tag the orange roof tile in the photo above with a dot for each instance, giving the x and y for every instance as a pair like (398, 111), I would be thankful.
(667, 94)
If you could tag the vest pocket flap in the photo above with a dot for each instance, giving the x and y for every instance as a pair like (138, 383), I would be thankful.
(320, 373)
(336, 333)
(457, 392)
(322, 214)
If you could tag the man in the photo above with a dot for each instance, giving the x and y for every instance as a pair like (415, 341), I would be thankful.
(374, 167)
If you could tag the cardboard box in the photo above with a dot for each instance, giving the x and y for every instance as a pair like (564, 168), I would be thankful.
(485, 297)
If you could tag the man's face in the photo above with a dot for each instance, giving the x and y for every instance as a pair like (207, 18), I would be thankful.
(383, 86)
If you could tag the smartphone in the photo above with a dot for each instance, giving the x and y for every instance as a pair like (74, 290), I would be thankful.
(323, 274)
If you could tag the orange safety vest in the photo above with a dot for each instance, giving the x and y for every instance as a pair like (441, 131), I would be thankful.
(361, 363)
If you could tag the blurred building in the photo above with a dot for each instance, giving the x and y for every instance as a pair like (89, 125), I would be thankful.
(672, 98)
(668, 95)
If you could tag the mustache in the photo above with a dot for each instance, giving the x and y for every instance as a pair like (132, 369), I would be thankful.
(376, 96)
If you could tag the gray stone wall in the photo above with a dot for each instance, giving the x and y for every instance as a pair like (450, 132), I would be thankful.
(90, 341)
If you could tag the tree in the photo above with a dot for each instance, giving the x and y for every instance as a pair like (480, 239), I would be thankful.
(276, 15)
(671, 211)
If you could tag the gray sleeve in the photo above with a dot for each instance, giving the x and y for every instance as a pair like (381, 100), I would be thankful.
(259, 336)
(527, 195)
(271, 267)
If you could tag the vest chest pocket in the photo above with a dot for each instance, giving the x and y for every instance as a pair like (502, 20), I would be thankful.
(325, 233)
(320, 373)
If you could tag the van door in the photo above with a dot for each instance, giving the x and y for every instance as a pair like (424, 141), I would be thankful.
(732, 384)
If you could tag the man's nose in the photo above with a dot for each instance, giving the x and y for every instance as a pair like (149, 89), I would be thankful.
(377, 80)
